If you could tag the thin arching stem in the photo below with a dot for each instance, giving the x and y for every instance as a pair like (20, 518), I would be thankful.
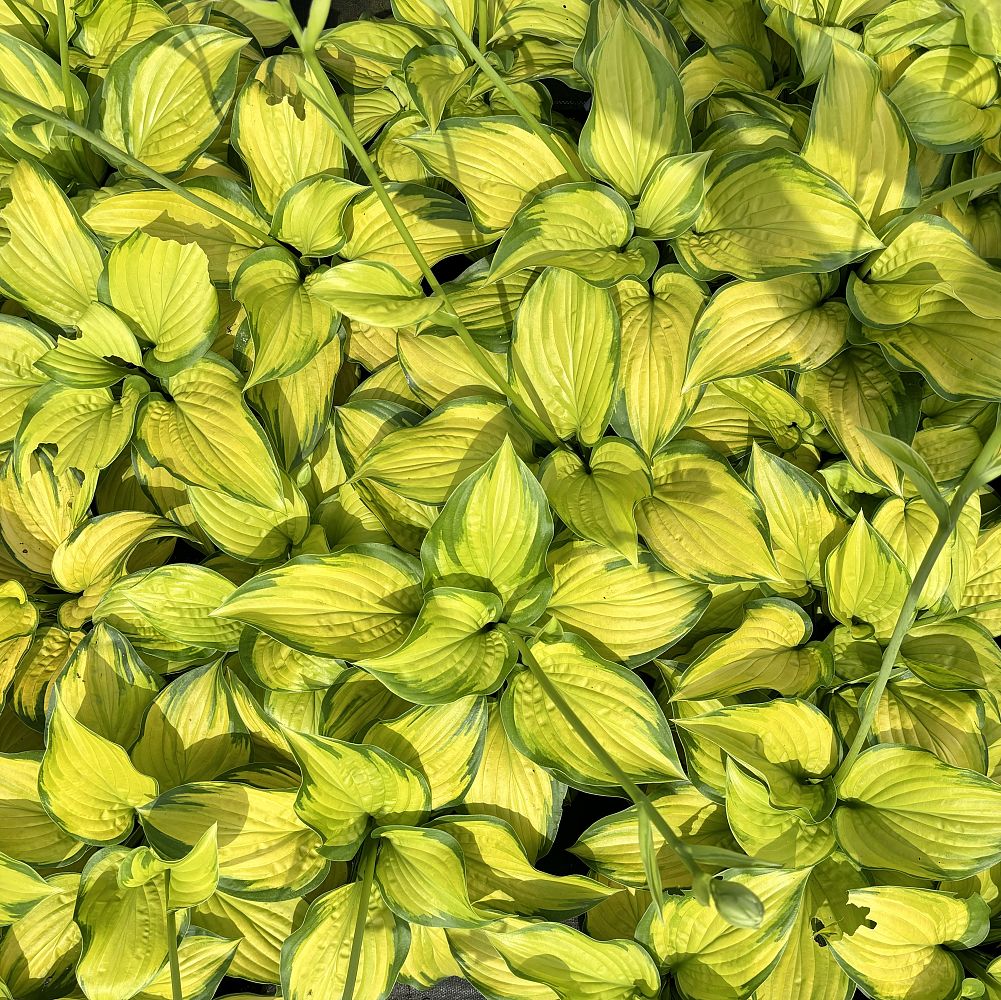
(593, 744)
(970, 483)
(366, 868)
(974, 184)
(172, 960)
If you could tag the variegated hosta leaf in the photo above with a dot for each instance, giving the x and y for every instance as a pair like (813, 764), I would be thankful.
(903, 808)
(345, 786)
(361, 601)
(594, 689)
(611, 846)
(706, 954)
(787, 743)
(770, 213)
(164, 99)
(317, 958)
(701, 521)
(908, 939)
(493, 534)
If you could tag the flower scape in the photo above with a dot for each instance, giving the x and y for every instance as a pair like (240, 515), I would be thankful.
(401, 469)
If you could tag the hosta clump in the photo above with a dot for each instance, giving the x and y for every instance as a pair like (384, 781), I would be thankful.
(393, 466)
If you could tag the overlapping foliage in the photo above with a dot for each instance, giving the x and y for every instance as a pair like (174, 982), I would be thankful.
(330, 583)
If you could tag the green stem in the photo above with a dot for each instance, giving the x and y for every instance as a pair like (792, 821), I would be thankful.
(483, 24)
(970, 483)
(572, 169)
(64, 55)
(32, 29)
(985, 182)
(968, 611)
(605, 759)
(367, 868)
(113, 153)
(334, 110)
(172, 959)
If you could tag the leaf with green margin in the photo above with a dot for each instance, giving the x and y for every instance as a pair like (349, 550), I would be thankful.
(163, 286)
(346, 785)
(206, 435)
(788, 743)
(756, 326)
(27, 832)
(903, 808)
(948, 97)
(259, 928)
(909, 527)
(802, 521)
(452, 652)
(492, 535)
(565, 354)
(655, 331)
(499, 875)
(168, 215)
(21, 888)
(630, 613)
(865, 580)
(422, 877)
(949, 724)
(596, 500)
(768, 213)
(289, 324)
(709, 956)
(193, 878)
(603, 693)
(463, 150)
(637, 116)
(21, 344)
(203, 959)
(123, 929)
(958, 655)
(100, 810)
(361, 601)
(164, 99)
(49, 262)
(770, 834)
(172, 604)
(867, 153)
(445, 743)
(99, 356)
(702, 522)
(908, 942)
(265, 851)
(429, 461)
(192, 731)
(439, 224)
(282, 137)
(309, 215)
(372, 292)
(610, 847)
(583, 227)
(316, 957)
(573, 964)
(515, 789)
(672, 196)
(769, 650)
(106, 687)
(87, 428)
(433, 75)
(98, 550)
(859, 391)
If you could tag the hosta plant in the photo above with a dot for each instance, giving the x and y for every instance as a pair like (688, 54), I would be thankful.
(454, 527)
